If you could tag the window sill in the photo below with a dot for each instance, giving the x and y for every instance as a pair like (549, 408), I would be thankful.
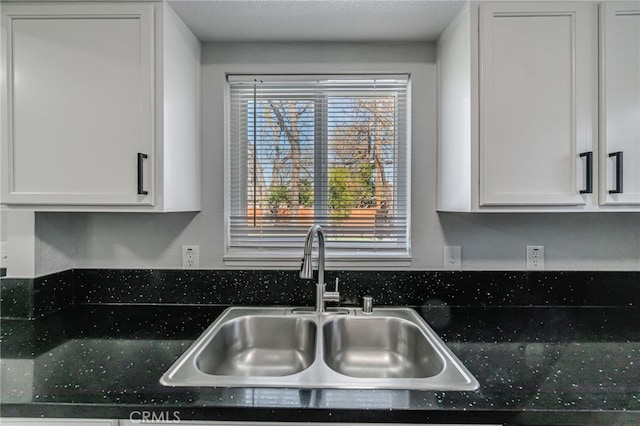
(359, 261)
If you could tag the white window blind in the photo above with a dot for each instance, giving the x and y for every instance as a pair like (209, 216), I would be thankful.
(327, 150)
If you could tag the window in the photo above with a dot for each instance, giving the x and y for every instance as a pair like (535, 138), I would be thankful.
(331, 150)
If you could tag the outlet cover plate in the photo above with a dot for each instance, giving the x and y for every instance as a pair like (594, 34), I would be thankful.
(190, 257)
(535, 257)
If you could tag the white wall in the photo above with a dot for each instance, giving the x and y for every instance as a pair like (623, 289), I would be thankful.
(3, 225)
(3, 236)
(55, 242)
(489, 241)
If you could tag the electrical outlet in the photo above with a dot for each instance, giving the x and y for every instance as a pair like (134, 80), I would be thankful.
(535, 257)
(452, 257)
(190, 257)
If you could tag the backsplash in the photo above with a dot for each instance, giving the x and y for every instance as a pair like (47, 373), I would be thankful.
(32, 298)
(35, 297)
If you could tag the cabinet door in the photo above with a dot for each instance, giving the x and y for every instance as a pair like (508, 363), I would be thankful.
(537, 101)
(79, 82)
(57, 422)
(620, 102)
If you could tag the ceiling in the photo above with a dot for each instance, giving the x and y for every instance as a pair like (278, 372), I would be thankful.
(316, 20)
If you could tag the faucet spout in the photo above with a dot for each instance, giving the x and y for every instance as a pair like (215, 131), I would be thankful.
(306, 268)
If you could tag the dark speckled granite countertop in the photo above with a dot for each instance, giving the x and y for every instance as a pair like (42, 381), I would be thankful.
(539, 365)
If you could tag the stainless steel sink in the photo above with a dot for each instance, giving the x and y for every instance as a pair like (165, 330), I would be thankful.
(259, 345)
(379, 347)
(391, 348)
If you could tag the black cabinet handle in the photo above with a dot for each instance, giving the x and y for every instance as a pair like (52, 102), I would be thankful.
(588, 189)
(618, 156)
(141, 158)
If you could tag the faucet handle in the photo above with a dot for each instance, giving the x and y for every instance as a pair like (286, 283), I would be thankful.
(332, 296)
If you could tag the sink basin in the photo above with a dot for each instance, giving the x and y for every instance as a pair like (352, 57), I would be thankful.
(380, 347)
(391, 348)
(259, 346)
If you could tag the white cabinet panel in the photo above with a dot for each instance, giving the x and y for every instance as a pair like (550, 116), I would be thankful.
(57, 422)
(620, 102)
(80, 99)
(457, 116)
(101, 108)
(518, 109)
(534, 70)
(73, 80)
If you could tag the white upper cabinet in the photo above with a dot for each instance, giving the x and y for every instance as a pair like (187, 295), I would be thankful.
(100, 108)
(536, 105)
(518, 109)
(80, 104)
(620, 103)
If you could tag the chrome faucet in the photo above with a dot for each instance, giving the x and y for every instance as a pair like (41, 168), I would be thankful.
(306, 269)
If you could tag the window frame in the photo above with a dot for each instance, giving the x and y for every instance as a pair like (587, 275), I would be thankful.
(348, 255)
